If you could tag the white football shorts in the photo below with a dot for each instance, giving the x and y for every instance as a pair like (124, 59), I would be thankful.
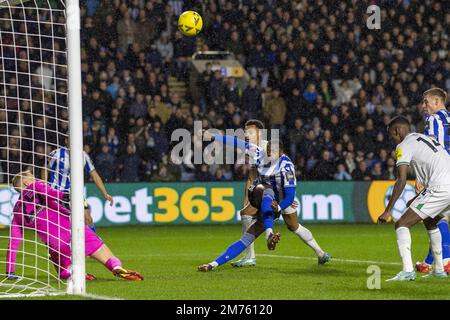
(289, 210)
(432, 202)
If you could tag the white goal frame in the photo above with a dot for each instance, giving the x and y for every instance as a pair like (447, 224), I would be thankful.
(76, 285)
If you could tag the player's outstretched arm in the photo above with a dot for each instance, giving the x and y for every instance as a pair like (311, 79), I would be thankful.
(289, 196)
(230, 140)
(101, 186)
(402, 174)
(234, 141)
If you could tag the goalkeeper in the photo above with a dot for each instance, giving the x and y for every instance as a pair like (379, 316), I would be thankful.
(38, 209)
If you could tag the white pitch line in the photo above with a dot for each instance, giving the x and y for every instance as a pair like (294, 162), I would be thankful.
(332, 259)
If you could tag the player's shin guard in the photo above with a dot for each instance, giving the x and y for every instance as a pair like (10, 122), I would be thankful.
(235, 249)
(247, 221)
(436, 248)
(306, 236)
(404, 248)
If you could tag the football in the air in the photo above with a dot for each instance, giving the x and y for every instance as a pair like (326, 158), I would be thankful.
(190, 23)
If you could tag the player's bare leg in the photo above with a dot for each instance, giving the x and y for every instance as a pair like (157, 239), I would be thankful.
(248, 217)
(291, 221)
(107, 258)
(421, 266)
(252, 233)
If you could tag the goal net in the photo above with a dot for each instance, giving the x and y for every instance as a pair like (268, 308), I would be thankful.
(34, 121)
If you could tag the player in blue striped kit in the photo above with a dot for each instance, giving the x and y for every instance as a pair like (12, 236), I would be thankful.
(57, 174)
(437, 125)
(273, 194)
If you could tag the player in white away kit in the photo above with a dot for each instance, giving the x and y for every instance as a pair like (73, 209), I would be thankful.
(431, 163)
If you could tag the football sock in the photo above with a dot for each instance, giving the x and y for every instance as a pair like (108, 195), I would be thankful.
(445, 234)
(307, 237)
(436, 248)
(429, 259)
(267, 211)
(269, 231)
(113, 263)
(92, 227)
(234, 250)
(404, 248)
(247, 221)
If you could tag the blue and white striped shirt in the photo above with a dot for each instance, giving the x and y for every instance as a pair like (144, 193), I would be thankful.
(279, 174)
(438, 126)
(59, 168)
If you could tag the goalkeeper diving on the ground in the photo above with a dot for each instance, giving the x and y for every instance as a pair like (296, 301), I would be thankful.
(39, 209)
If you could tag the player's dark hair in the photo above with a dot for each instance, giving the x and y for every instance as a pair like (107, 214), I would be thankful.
(256, 123)
(436, 92)
(398, 121)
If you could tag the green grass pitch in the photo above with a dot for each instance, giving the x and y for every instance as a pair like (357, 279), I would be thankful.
(168, 256)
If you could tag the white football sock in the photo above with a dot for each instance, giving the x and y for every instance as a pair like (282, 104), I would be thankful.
(269, 231)
(306, 236)
(247, 221)
(436, 249)
(404, 248)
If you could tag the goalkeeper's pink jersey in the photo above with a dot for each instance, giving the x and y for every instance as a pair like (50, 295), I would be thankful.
(38, 208)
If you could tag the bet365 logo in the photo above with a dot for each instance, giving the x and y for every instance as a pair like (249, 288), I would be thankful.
(373, 21)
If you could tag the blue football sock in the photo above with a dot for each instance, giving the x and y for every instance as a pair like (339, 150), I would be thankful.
(429, 259)
(92, 227)
(445, 233)
(267, 211)
(235, 249)
(232, 252)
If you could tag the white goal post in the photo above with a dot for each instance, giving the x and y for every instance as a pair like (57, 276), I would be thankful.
(40, 111)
